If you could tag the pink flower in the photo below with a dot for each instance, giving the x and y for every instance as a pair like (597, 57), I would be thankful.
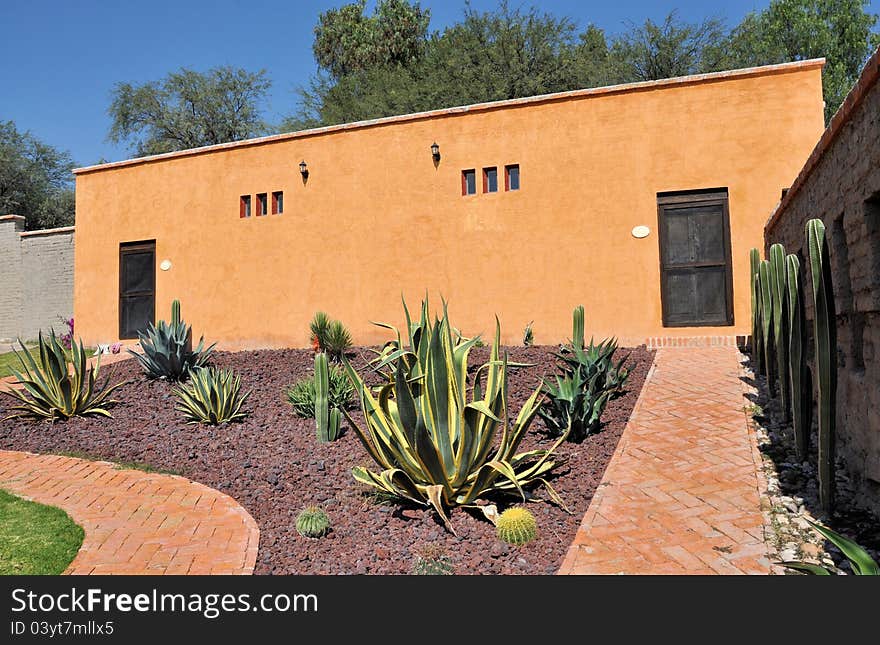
(115, 348)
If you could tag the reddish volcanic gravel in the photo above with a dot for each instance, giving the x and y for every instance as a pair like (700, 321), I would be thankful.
(274, 466)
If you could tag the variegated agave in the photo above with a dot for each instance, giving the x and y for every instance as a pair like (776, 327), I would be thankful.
(59, 384)
(212, 396)
(433, 444)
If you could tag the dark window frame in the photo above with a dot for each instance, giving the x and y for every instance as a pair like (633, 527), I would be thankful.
(486, 184)
(277, 200)
(126, 248)
(507, 169)
(705, 197)
(262, 204)
(244, 206)
(464, 182)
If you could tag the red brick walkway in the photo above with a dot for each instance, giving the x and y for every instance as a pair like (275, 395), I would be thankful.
(681, 494)
(136, 522)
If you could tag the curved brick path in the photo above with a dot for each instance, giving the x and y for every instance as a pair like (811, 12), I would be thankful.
(136, 522)
(682, 494)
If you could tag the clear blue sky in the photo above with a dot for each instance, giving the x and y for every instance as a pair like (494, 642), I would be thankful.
(60, 59)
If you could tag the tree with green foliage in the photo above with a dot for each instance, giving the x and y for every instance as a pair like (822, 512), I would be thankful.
(369, 71)
(35, 180)
(488, 56)
(652, 51)
(348, 41)
(188, 109)
(841, 31)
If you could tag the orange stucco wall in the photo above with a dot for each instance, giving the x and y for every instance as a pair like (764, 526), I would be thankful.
(377, 219)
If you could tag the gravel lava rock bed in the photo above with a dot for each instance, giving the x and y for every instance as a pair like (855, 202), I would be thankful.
(274, 466)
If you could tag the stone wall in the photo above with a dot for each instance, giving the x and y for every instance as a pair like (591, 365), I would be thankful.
(37, 279)
(841, 185)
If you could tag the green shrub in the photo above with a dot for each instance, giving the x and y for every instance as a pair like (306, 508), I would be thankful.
(58, 383)
(516, 526)
(301, 395)
(167, 349)
(596, 361)
(312, 522)
(329, 336)
(211, 396)
(573, 407)
(338, 341)
(440, 442)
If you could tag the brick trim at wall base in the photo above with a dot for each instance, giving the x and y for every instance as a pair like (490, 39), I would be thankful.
(656, 342)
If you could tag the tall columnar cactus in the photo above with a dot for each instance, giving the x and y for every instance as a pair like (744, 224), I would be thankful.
(799, 373)
(326, 419)
(175, 312)
(767, 323)
(779, 298)
(577, 327)
(825, 339)
(757, 343)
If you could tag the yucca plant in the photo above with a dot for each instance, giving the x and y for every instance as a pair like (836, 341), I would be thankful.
(167, 349)
(59, 383)
(337, 341)
(859, 560)
(301, 395)
(573, 406)
(318, 327)
(330, 336)
(435, 444)
(212, 396)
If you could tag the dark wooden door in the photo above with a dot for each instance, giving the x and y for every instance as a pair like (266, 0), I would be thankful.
(137, 287)
(695, 269)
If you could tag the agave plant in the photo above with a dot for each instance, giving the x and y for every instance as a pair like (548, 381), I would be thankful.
(573, 406)
(595, 362)
(859, 560)
(59, 383)
(167, 349)
(211, 396)
(404, 352)
(438, 446)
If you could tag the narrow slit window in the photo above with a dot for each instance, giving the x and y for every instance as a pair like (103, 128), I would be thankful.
(469, 182)
(490, 180)
(277, 202)
(262, 204)
(244, 206)
(511, 177)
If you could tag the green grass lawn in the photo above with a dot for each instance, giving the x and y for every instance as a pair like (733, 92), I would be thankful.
(9, 359)
(35, 539)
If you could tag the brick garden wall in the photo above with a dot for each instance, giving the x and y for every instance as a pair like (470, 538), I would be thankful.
(37, 279)
(841, 185)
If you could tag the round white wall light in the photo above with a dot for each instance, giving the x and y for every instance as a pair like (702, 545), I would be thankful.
(166, 264)
(639, 232)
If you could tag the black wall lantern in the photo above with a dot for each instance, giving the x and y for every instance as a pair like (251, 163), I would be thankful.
(435, 151)
(304, 169)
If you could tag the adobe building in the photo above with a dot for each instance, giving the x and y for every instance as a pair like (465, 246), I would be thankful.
(639, 201)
